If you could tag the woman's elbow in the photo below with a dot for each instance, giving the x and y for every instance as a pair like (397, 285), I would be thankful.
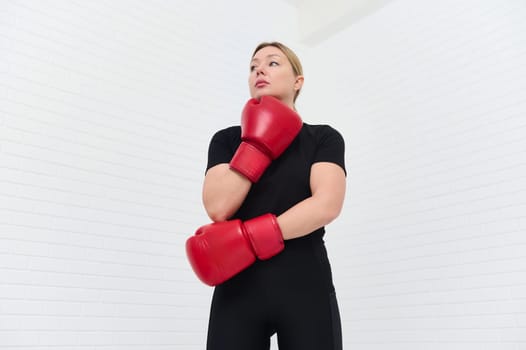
(330, 213)
(217, 214)
(215, 208)
(219, 210)
(218, 217)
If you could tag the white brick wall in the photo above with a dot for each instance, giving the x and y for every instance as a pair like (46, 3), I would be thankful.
(106, 110)
(430, 251)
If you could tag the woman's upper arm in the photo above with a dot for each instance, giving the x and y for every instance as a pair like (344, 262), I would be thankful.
(327, 181)
(328, 184)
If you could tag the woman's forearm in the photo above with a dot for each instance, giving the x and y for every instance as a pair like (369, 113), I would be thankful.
(305, 217)
(224, 190)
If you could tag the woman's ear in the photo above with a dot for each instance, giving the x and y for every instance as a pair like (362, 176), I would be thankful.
(298, 83)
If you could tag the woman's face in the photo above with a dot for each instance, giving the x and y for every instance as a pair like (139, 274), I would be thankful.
(271, 74)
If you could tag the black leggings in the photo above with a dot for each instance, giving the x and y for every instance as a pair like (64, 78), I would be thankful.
(291, 294)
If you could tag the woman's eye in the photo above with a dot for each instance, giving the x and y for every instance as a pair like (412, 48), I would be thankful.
(252, 68)
(273, 63)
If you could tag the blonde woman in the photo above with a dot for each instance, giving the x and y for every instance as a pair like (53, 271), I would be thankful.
(271, 185)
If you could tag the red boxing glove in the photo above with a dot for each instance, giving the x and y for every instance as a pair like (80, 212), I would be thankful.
(220, 250)
(268, 127)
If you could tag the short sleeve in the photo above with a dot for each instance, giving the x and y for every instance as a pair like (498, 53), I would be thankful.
(331, 147)
(223, 146)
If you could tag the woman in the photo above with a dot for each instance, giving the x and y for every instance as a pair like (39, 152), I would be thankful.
(271, 186)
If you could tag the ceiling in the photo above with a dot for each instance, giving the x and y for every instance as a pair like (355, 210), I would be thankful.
(319, 20)
(296, 3)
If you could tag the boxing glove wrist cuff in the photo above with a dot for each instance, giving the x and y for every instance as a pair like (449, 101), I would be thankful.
(250, 161)
(265, 236)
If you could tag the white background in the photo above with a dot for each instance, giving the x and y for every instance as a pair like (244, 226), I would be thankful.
(106, 110)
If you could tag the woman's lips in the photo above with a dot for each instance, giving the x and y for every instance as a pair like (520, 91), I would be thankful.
(261, 83)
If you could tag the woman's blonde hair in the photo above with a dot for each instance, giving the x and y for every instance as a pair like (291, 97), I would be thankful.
(291, 56)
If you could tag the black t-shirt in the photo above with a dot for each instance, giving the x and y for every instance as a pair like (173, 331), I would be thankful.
(286, 181)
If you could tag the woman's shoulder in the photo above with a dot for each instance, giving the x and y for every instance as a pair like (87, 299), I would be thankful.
(321, 130)
(229, 129)
(319, 127)
(229, 132)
